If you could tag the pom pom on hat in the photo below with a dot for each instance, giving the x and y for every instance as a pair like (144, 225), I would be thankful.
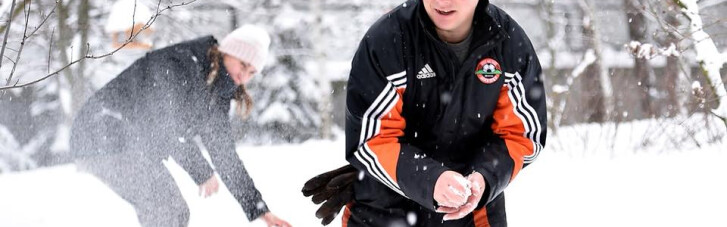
(248, 43)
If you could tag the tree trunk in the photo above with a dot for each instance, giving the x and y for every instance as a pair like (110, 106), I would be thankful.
(64, 38)
(672, 69)
(642, 69)
(79, 90)
(66, 80)
(323, 81)
(598, 93)
(547, 6)
(708, 56)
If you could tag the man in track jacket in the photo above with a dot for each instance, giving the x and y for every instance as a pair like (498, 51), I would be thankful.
(445, 106)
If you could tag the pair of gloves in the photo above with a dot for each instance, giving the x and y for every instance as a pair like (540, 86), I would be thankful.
(334, 189)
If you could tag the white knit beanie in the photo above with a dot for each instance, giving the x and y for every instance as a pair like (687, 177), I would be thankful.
(248, 43)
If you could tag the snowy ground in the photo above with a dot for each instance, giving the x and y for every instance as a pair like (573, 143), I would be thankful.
(571, 187)
(60, 196)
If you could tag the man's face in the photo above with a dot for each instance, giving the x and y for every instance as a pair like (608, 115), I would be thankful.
(452, 16)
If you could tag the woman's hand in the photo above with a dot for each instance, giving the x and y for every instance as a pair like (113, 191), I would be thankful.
(273, 221)
(209, 187)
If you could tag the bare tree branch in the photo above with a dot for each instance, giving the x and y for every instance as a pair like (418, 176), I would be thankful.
(13, 14)
(23, 40)
(133, 18)
(50, 48)
(159, 11)
(9, 59)
(7, 31)
(10, 48)
(52, 11)
(22, 43)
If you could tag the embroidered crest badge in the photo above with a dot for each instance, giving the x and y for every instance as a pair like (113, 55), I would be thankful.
(488, 71)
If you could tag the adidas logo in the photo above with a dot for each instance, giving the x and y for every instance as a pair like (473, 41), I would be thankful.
(426, 72)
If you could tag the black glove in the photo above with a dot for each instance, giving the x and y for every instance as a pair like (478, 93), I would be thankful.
(335, 188)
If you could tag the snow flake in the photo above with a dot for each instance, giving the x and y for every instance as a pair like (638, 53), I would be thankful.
(536, 93)
(411, 217)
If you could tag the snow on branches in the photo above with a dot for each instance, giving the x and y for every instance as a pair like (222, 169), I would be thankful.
(649, 51)
(709, 58)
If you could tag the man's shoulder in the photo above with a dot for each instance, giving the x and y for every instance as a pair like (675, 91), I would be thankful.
(393, 24)
(502, 18)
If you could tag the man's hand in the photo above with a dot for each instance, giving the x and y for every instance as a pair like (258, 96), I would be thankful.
(209, 187)
(477, 183)
(335, 188)
(451, 190)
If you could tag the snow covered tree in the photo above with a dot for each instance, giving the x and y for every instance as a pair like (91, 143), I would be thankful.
(705, 52)
(310, 41)
(286, 96)
(708, 56)
(45, 76)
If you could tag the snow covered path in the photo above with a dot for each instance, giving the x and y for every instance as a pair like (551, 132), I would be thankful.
(677, 188)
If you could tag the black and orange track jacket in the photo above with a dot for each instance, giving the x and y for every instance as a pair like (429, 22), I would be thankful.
(413, 111)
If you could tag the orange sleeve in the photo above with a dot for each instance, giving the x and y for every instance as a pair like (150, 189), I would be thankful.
(511, 128)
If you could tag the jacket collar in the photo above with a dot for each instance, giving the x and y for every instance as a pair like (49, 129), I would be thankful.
(224, 86)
